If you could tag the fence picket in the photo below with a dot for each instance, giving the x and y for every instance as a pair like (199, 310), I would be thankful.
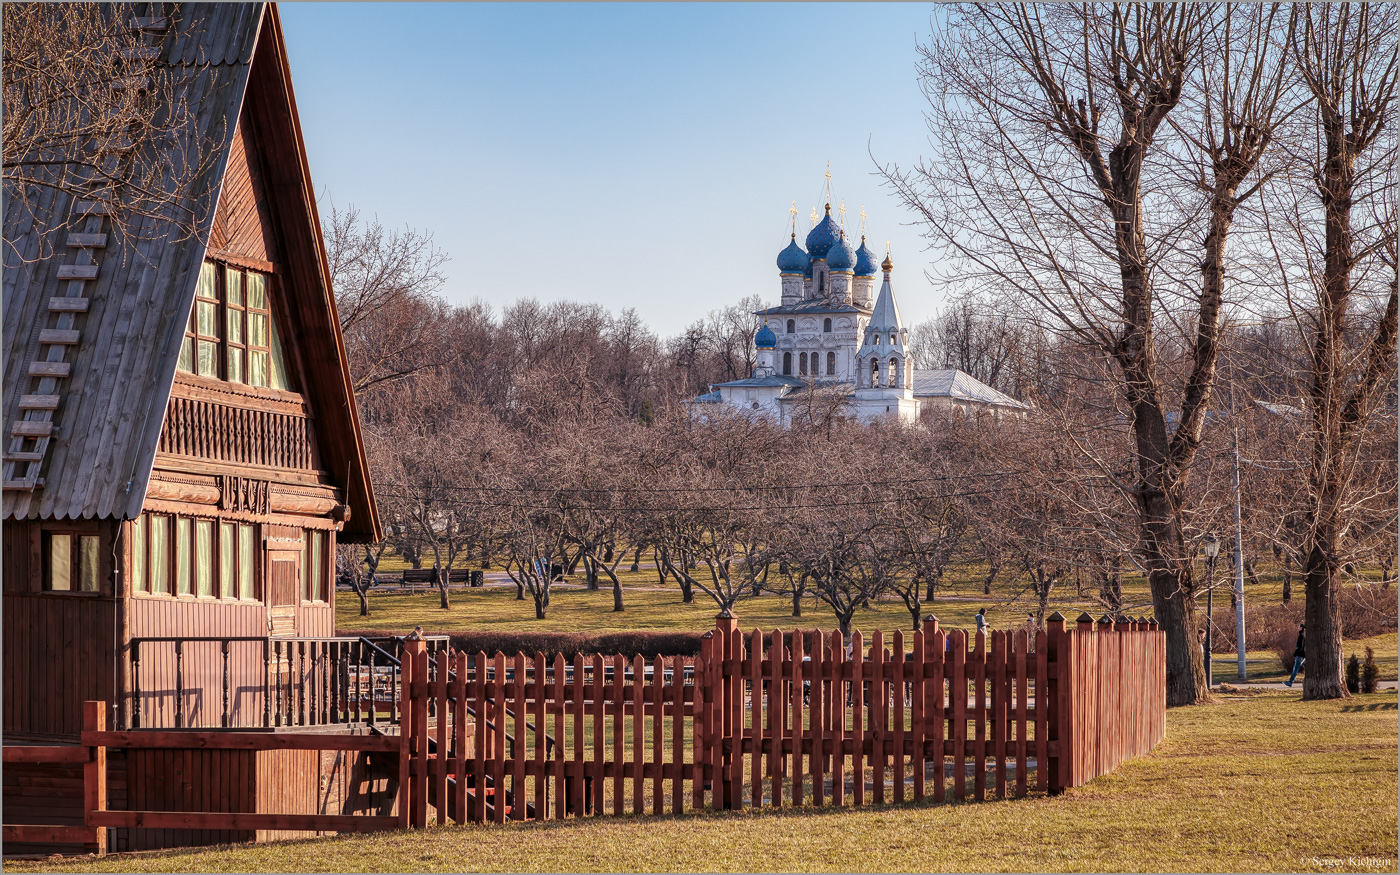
(821, 656)
(1020, 646)
(919, 659)
(498, 743)
(599, 745)
(678, 734)
(858, 729)
(479, 699)
(755, 673)
(897, 689)
(777, 709)
(577, 769)
(442, 668)
(537, 738)
(639, 741)
(734, 722)
(657, 696)
(957, 693)
(937, 719)
(839, 699)
(795, 691)
(460, 725)
(979, 717)
(556, 751)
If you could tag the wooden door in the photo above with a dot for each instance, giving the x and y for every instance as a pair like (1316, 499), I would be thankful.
(284, 575)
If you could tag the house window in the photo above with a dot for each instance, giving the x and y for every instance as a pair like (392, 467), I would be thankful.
(160, 555)
(830, 364)
(70, 562)
(139, 583)
(787, 363)
(826, 325)
(802, 364)
(202, 558)
(232, 333)
(313, 565)
(791, 326)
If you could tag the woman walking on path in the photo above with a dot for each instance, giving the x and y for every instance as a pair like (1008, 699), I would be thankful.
(1298, 656)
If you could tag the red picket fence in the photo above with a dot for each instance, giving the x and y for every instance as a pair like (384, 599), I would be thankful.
(781, 719)
(776, 719)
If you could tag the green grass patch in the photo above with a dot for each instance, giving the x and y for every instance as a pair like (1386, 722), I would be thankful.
(1260, 783)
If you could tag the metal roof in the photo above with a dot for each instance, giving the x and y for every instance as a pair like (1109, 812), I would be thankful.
(959, 385)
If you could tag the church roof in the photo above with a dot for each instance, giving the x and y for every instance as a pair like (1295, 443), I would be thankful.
(810, 307)
(776, 380)
(885, 316)
(866, 265)
(823, 236)
(961, 386)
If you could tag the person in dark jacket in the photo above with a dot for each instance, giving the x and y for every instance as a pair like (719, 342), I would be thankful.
(982, 621)
(1298, 656)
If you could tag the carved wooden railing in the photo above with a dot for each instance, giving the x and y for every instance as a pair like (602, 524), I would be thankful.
(227, 433)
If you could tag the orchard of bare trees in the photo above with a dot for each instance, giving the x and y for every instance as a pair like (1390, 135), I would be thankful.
(1169, 229)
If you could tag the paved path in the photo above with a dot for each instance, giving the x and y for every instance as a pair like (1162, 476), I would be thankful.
(1226, 686)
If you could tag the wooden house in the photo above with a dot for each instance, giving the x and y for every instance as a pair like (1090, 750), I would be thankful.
(182, 448)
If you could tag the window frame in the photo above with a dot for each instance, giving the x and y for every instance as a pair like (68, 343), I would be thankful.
(168, 562)
(75, 536)
(244, 313)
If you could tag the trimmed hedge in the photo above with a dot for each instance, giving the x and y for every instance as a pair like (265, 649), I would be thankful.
(567, 644)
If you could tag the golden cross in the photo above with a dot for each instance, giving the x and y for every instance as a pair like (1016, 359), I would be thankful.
(862, 221)
(793, 212)
(828, 182)
(813, 217)
(887, 248)
(843, 213)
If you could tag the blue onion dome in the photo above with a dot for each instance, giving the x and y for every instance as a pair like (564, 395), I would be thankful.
(825, 235)
(793, 259)
(840, 257)
(765, 338)
(866, 265)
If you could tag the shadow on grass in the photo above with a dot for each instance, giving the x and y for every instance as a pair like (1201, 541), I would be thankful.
(1374, 706)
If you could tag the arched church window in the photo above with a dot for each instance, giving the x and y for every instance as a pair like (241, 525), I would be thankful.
(894, 372)
(821, 283)
(826, 325)
(874, 373)
(791, 326)
(787, 362)
(830, 364)
(802, 364)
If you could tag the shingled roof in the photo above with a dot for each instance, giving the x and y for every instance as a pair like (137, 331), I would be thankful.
(121, 369)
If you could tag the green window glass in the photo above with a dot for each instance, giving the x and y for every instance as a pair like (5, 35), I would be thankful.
(60, 563)
(318, 568)
(87, 563)
(160, 555)
(228, 561)
(186, 361)
(204, 558)
(182, 556)
(245, 562)
(138, 554)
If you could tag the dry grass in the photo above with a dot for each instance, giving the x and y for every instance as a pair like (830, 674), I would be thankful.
(1259, 783)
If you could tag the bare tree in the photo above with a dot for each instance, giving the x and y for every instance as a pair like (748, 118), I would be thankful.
(1347, 59)
(1050, 121)
(386, 284)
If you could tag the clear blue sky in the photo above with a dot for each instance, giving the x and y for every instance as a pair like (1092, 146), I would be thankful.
(636, 155)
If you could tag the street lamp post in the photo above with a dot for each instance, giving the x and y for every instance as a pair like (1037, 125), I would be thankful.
(1211, 546)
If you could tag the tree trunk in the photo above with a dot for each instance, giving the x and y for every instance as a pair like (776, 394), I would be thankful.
(637, 561)
(1322, 617)
(520, 588)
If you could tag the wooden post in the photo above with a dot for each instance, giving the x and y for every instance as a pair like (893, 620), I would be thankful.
(95, 775)
(726, 631)
(408, 670)
(1056, 696)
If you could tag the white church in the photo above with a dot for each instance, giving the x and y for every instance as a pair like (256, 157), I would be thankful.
(833, 332)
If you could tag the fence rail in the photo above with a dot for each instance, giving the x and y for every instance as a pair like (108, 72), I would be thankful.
(758, 719)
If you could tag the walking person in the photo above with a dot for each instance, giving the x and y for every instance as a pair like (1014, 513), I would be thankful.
(982, 620)
(1299, 656)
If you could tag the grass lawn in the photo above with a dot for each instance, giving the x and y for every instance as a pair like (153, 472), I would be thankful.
(575, 609)
(1263, 665)
(1253, 783)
